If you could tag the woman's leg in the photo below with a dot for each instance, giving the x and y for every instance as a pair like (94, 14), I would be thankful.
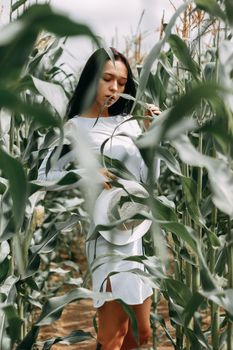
(112, 325)
(142, 313)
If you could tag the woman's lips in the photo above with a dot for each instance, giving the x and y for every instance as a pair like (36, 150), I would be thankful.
(110, 99)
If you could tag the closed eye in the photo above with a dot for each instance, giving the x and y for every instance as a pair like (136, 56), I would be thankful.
(122, 83)
(108, 77)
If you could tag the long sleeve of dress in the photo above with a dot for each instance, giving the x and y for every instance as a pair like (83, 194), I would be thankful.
(120, 132)
(57, 171)
(63, 164)
(67, 162)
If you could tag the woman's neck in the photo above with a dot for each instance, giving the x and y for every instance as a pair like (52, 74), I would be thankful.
(95, 112)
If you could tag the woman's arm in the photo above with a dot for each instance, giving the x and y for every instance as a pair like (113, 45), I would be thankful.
(58, 170)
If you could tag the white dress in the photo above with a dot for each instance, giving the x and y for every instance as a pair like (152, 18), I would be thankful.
(125, 285)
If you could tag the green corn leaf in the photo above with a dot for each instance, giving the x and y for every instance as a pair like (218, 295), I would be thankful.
(182, 53)
(223, 298)
(17, 39)
(42, 17)
(223, 138)
(8, 294)
(2, 188)
(72, 338)
(52, 309)
(220, 175)
(183, 232)
(192, 306)
(229, 11)
(188, 102)
(171, 162)
(40, 114)
(178, 291)
(175, 312)
(14, 322)
(54, 94)
(221, 261)
(4, 251)
(5, 269)
(212, 7)
(163, 211)
(29, 340)
(15, 173)
(48, 239)
(17, 4)
(196, 337)
(190, 197)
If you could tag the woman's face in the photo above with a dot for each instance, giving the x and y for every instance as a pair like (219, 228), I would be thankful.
(111, 83)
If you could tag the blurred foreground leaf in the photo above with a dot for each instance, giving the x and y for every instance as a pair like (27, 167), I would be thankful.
(15, 173)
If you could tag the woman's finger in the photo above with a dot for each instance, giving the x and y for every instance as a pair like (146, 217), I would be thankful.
(107, 185)
(152, 109)
(111, 175)
(108, 174)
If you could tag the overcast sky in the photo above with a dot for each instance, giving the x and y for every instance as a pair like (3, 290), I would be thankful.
(117, 21)
(114, 21)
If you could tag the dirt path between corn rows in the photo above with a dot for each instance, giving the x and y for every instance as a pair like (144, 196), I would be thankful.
(79, 315)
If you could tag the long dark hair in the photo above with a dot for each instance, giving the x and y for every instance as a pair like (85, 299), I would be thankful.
(85, 92)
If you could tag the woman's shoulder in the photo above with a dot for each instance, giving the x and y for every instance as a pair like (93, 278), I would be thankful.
(131, 123)
(73, 122)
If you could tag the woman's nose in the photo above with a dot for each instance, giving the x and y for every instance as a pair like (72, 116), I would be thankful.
(114, 86)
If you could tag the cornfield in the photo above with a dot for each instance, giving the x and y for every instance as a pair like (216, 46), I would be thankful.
(189, 249)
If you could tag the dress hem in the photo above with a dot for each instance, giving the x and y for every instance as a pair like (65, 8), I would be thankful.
(131, 304)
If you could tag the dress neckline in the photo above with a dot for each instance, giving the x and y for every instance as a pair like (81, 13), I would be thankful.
(100, 117)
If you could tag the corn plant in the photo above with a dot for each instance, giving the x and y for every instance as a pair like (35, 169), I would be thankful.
(33, 102)
(194, 140)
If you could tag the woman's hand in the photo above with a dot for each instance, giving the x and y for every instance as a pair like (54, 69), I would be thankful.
(151, 111)
(109, 176)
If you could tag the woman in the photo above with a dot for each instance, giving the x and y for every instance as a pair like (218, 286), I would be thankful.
(100, 113)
